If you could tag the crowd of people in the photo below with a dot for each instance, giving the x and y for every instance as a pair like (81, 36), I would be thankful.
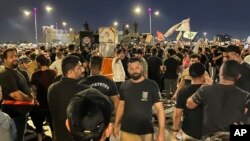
(65, 86)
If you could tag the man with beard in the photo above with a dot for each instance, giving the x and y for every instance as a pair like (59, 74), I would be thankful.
(60, 93)
(137, 97)
(14, 88)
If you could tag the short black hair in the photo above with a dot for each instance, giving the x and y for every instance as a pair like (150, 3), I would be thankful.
(71, 47)
(195, 56)
(139, 51)
(42, 48)
(96, 62)
(171, 52)
(154, 51)
(42, 60)
(5, 52)
(197, 70)
(69, 63)
(231, 70)
(89, 114)
(134, 59)
(33, 56)
(119, 51)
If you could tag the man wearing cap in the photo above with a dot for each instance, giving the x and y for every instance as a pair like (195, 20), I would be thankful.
(23, 68)
(60, 93)
(138, 96)
(88, 116)
(233, 52)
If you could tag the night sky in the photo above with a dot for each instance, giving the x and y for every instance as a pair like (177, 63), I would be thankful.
(212, 16)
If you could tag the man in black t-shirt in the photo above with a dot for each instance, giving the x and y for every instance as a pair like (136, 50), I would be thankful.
(154, 67)
(233, 52)
(60, 93)
(224, 103)
(171, 67)
(14, 88)
(192, 119)
(134, 110)
(100, 82)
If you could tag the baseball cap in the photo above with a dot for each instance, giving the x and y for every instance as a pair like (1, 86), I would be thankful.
(89, 113)
(232, 48)
(24, 60)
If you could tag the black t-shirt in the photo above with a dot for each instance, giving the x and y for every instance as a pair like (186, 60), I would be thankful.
(222, 105)
(25, 74)
(139, 99)
(171, 68)
(244, 81)
(42, 80)
(204, 59)
(59, 96)
(101, 83)
(219, 61)
(192, 119)
(12, 81)
(154, 64)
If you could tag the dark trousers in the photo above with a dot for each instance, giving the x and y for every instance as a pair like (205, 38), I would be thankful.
(38, 116)
(20, 123)
(170, 87)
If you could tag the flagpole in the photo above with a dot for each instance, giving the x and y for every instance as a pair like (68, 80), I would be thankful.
(190, 31)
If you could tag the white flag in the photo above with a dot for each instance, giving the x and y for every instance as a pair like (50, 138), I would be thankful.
(189, 35)
(248, 39)
(178, 36)
(172, 30)
(185, 25)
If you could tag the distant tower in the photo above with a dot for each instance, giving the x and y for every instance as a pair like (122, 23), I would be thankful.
(136, 27)
(86, 26)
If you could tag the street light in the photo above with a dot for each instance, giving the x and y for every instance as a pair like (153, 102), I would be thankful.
(70, 29)
(64, 24)
(27, 13)
(48, 8)
(137, 10)
(127, 25)
(205, 34)
(115, 23)
(157, 13)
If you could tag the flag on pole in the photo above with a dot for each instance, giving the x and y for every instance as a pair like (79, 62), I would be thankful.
(185, 25)
(189, 35)
(159, 36)
(172, 30)
(178, 36)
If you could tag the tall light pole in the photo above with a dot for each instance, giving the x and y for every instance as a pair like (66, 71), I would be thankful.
(150, 21)
(36, 37)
